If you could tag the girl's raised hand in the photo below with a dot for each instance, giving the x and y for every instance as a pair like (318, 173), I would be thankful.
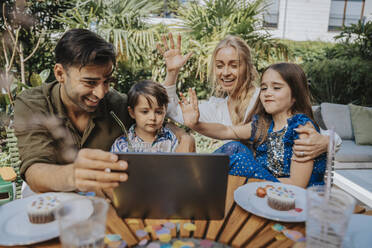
(190, 109)
(173, 57)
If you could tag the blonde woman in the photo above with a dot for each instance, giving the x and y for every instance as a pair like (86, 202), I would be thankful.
(235, 94)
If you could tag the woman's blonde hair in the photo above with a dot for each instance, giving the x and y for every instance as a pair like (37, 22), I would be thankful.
(242, 91)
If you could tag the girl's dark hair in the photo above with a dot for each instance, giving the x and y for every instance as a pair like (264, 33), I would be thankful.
(295, 77)
(81, 47)
(147, 88)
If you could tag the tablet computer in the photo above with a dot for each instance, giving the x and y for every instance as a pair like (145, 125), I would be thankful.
(173, 186)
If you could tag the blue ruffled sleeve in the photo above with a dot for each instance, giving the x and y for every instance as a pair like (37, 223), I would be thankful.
(293, 123)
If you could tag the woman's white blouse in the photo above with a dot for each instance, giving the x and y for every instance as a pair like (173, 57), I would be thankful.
(215, 110)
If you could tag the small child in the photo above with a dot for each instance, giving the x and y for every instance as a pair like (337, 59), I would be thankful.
(147, 105)
(284, 106)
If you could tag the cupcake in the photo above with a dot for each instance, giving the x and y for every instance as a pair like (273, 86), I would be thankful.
(280, 198)
(41, 210)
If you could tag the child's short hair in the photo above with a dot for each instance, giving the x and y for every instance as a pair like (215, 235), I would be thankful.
(147, 88)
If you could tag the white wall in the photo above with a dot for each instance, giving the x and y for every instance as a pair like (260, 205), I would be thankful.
(307, 20)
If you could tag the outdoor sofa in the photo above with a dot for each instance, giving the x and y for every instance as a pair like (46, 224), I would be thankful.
(346, 121)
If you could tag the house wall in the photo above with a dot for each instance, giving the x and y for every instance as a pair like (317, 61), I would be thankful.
(307, 20)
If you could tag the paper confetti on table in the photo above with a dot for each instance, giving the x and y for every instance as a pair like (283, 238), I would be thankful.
(141, 233)
(277, 227)
(206, 243)
(177, 244)
(188, 244)
(165, 238)
(294, 235)
(113, 237)
(133, 221)
(280, 237)
(162, 231)
(189, 226)
(153, 245)
(116, 244)
(122, 244)
(156, 227)
(169, 225)
(143, 242)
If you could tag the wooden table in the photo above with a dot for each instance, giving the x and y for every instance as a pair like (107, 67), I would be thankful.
(239, 228)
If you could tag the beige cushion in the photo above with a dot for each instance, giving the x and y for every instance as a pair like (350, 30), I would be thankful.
(361, 119)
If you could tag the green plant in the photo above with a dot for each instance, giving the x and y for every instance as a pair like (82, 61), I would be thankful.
(355, 40)
(210, 23)
(306, 51)
(25, 31)
(203, 26)
(342, 74)
(11, 158)
(341, 80)
(120, 22)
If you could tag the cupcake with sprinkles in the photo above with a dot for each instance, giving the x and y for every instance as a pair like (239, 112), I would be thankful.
(41, 210)
(280, 198)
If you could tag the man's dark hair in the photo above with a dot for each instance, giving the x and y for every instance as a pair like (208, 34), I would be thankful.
(147, 88)
(81, 47)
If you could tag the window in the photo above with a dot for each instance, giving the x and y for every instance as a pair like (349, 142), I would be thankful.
(271, 15)
(345, 12)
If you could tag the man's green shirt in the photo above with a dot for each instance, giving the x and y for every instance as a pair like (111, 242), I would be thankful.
(37, 143)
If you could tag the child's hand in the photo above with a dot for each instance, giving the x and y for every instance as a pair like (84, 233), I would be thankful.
(173, 57)
(190, 109)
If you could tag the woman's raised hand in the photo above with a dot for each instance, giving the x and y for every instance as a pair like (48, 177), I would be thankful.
(174, 60)
(190, 109)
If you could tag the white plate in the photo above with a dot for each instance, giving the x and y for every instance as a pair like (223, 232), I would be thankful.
(16, 229)
(245, 196)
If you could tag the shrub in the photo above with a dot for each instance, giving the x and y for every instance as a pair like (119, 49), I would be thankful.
(341, 80)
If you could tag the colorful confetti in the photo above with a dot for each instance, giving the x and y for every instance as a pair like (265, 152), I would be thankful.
(188, 244)
(122, 244)
(277, 227)
(153, 245)
(298, 210)
(169, 225)
(280, 237)
(294, 235)
(141, 233)
(206, 243)
(189, 226)
(162, 231)
(112, 244)
(113, 237)
(148, 229)
(156, 227)
(132, 221)
(116, 244)
(143, 242)
(177, 244)
(165, 238)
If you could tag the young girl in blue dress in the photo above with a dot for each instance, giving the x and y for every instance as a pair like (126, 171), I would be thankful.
(284, 105)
